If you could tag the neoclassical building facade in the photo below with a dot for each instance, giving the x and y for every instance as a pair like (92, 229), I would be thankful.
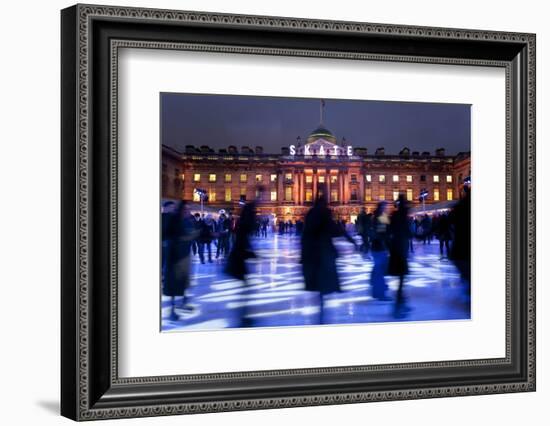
(352, 177)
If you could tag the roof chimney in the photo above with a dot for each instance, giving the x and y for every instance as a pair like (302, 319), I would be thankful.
(405, 152)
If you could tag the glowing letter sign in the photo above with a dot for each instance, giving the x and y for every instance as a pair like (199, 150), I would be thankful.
(322, 150)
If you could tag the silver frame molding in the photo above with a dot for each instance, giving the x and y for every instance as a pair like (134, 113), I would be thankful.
(91, 39)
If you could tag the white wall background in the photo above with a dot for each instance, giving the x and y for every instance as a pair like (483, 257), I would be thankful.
(29, 211)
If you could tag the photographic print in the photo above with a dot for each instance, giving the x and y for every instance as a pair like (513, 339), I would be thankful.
(282, 212)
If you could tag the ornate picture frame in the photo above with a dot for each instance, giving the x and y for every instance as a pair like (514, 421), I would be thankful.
(90, 39)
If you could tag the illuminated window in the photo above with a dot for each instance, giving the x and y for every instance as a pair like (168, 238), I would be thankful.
(258, 194)
(228, 177)
(449, 179)
(273, 178)
(382, 195)
(395, 195)
(227, 194)
(333, 179)
(353, 195)
(353, 178)
(273, 195)
(449, 194)
(382, 178)
(368, 178)
(212, 177)
(409, 178)
(368, 194)
(196, 197)
(395, 178)
(212, 196)
(288, 176)
(243, 177)
(288, 193)
(321, 178)
(409, 194)
(309, 178)
(197, 177)
(333, 195)
(436, 194)
(309, 195)
(182, 177)
(258, 178)
(436, 178)
(243, 191)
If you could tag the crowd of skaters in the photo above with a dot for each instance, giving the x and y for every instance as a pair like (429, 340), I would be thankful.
(422, 228)
(385, 238)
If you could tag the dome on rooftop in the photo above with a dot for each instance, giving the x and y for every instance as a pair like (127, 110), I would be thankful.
(321, 132)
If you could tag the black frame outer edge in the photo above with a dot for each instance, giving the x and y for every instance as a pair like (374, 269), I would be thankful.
(69, 188)
(105, 395)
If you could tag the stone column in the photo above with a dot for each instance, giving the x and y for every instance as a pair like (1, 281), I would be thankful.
(296, 187)
(340, 187)
(280, 189)
(346, 186)
(302, 188)
(361, 197)
(327, 184)
(314, 184)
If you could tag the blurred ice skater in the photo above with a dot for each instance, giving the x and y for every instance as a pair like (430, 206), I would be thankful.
(318, 256)
(399, 236)
(460, 247)
(180, 232)
(242, 249)
(379, 249)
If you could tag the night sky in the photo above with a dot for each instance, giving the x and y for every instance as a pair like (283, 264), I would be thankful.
(223, 120)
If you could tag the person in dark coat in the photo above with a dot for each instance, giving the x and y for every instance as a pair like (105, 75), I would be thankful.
(379, 249)
(426, 225)
(166, 216)
(363, 226)
(318, 253)
(281, 225)
(242, 249)
(412, 233)
(206, 235)
(399, 235)
(443, 231)
(195, 244)
(265, 223)
(232, 226)
(299, 228)
(180, 233)
(461, 245)
(222, 230)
